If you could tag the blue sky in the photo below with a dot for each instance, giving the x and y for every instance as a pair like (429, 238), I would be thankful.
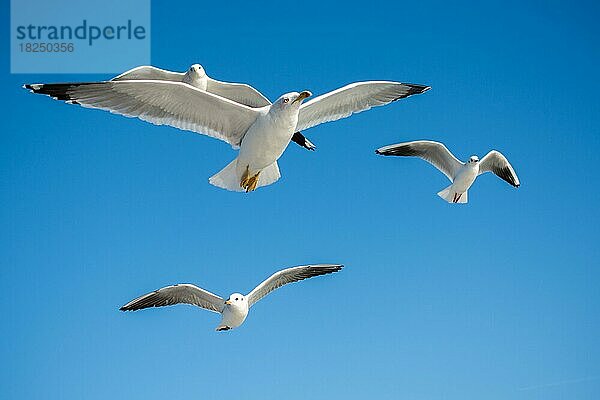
(497, 299)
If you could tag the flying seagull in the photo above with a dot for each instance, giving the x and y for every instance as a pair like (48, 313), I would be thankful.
(462, 175)
(235, 309)
(261, 134)
(197, 77)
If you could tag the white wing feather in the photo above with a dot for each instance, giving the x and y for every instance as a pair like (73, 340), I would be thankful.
(289, 275)
(176, 294)
(433, 152)
(353, 98)
(162, 103)
(495, 162)
(238, 92)
(150, 73)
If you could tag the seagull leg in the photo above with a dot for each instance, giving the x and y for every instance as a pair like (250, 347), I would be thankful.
(249, 183)
(245, 179)
(252, 182)
(223, 328)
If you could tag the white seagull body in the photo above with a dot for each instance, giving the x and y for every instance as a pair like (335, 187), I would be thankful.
(263, 144)
(261, 133)
(462, 175)
(235, 309)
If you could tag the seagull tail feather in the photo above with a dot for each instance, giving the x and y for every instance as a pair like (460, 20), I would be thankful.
(450, 196)
(269, 175)
(446, 195)
(227, 178)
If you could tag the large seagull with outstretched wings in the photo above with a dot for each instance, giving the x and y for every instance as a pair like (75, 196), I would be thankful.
(261, 133)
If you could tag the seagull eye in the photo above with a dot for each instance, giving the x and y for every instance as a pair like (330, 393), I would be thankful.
(286, 100)
(236, 299)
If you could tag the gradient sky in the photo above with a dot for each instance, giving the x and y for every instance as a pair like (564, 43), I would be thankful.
(496, 299)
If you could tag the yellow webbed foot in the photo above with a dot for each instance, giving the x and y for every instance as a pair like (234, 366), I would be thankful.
(249, 183)
(244, 180)
(252, 183)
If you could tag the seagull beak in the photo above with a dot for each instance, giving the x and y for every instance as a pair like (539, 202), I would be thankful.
(228, 302)
(302, 96)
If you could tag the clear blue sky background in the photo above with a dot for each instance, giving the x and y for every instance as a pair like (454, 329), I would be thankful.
(497, 299)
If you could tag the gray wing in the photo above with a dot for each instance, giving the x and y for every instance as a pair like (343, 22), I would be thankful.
(183, 293)
(238, 92)
(150, 73)
(289, 275)
(162, 103)
(495, 162)
(434, 153)
(353, 98)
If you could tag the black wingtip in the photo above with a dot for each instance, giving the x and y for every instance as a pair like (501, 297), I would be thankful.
(58, 91)
(417, 89)
(334, 268)
(35, 87)
(413, 88)
(324, 269)
(388, 152)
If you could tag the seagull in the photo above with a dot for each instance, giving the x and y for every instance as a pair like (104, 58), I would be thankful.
(235, 309)
(462, 175)
(262, 134)
(196, 76)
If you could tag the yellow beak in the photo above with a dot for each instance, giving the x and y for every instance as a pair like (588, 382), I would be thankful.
(302, 96)
(228, 302)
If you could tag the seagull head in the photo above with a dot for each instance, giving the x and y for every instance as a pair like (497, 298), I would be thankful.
(197, 70)
(237, 300)
(292, 99)
(473, 159)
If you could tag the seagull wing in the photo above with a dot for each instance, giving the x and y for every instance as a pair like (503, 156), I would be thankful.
(148, 72)
(433, 152)
(183, 293)
(162, 103)
(238, 92)
(301, 140)
(289, 275)
(495, 162)
(353, 98)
